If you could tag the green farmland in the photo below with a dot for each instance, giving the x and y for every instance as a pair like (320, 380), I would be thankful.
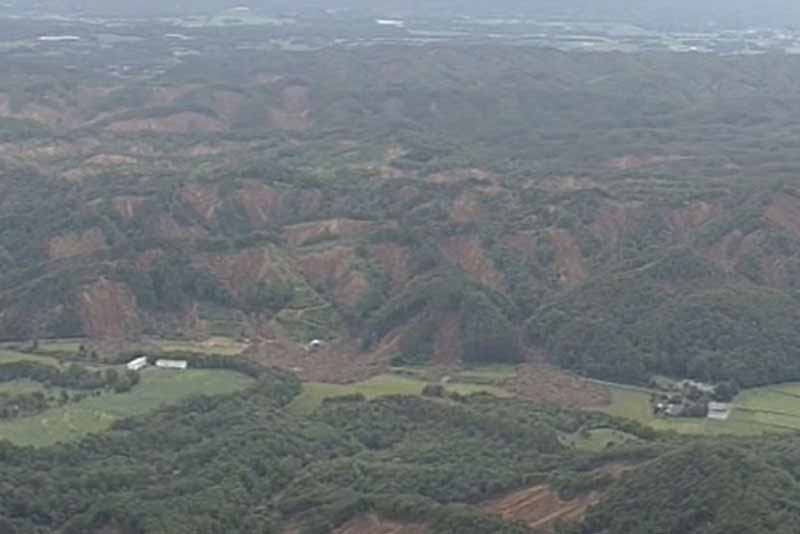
(314, 393)
(756, 411)
(96, 414)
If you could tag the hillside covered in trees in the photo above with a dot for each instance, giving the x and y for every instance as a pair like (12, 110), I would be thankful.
(617, 215)
(444, 464)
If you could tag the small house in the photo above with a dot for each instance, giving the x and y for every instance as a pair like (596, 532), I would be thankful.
(700, 386)
(719, 410)
(315, 345)
(172, 364)
(138, 363)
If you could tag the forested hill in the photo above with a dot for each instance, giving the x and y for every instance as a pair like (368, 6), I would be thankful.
(243, 464)
(617, 215)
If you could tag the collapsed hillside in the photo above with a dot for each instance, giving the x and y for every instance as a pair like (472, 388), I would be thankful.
(433, 205)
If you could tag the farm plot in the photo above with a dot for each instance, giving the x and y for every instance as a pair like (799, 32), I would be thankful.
(383, 385)
(96, 414)
(755, 411)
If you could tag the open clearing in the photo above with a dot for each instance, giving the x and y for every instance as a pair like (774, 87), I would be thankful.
(10, 356)
(766, 409)
(598, 439)
(96, 414)
(222, 346)
(314, 393)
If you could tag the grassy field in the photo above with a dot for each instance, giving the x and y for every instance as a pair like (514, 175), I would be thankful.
(597, 440)
(314, 393)
(61, 345)
(17, 387)
(9, 356)
(759, 410)
(95, 414)
(222, 346)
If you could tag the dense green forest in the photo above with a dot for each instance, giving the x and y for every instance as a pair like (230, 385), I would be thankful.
(241, 463)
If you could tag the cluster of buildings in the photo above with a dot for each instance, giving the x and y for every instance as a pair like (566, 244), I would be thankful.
(689, 398)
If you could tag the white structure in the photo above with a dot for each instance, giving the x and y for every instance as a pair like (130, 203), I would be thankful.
(58, 38)
(391, 22)
(172, 364)
(315, 345)
(719, 410)
(138, 363)
(701, 386)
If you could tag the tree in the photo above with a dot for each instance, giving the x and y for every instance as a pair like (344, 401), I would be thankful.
(111, 377)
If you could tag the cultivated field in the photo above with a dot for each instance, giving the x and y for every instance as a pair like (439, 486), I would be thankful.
(96, 414)
(390, 384)
(222, 346)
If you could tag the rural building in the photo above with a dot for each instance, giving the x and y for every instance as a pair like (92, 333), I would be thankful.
(172, 364)
(700, 386)
(138, 363)
(719, 410)
(315, 345)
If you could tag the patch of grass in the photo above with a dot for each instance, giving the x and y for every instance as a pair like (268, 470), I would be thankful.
(598, 439)
(222, 346)
(60, 345)
(635, 404)
(9, 356)
(314, 393)
(17, 387)
(776, 407)
(96, 414)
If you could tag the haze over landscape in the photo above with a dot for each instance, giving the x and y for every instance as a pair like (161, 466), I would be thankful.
(399, 267)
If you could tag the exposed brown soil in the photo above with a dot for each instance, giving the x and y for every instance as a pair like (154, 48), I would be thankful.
(335, 363)
(333, 271)
(611, 223)
(634, 162)
(467, 253)
(202, 200)
(240, 272)
(108, 309)
(260, 202)
(448, 347)
(110, 160)
(73, 244)
(465, 209)
(571, 268)
(461, 175)
(393, 259)
(551, 385)
(309, 233)
(540, 508)
(227, 103)
(168, 228)
(692, 216)
(127, 206)
(265, 206)
(370, 524)
(726, 251)
(785, 212)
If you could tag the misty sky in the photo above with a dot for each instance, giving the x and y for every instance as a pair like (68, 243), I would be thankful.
(740, 13)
